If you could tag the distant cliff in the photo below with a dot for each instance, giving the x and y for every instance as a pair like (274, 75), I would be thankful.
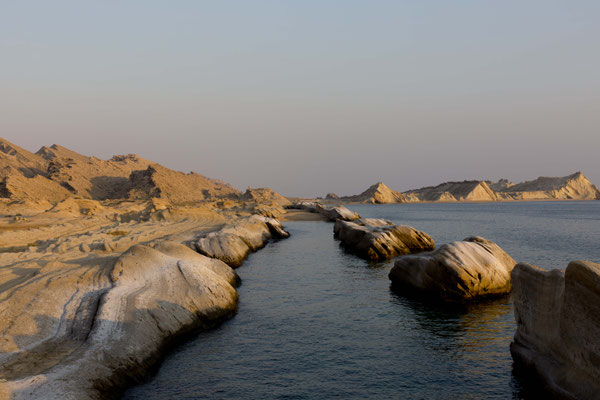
(571, 187)
(378, 193)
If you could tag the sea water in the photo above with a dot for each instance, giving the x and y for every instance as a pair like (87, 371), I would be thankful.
(317, 323)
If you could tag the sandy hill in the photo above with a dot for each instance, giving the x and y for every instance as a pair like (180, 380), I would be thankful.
(571, 187)
(93, 178)
(453, 191)
(378, 193)
(13, 156)
(264, 196)
(157, 181)
(56, 173)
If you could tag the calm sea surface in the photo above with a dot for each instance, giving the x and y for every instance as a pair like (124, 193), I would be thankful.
(317, 323)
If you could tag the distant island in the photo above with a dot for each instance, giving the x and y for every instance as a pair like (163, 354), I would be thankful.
(572, 187)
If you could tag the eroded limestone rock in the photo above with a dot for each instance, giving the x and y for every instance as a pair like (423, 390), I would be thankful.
(558, 326)
(378, 239)
(467, 269)
(233, 243)
(88, 331)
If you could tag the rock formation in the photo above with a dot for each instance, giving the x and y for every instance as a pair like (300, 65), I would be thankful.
(474, 267)
(558, 327)
(330, 213)
(177, 187)
(55, 173)
(264, 196)
(378, 239)
(378, 193)
(332, 196)
(502, 184)
(453, 191)
(233, 243)
(572, 187)
(87, 331)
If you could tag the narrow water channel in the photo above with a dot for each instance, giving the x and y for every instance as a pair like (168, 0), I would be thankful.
(316, 323)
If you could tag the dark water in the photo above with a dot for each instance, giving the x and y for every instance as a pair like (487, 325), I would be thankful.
(317, 323)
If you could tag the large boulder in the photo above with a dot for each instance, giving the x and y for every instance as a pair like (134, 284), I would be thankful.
(233, 243)
(467, 269)
(378, 239)
(331, 213)
(558, 327)
(339, 212)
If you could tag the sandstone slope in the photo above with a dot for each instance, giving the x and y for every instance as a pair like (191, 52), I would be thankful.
(157, 181)
(55, 173)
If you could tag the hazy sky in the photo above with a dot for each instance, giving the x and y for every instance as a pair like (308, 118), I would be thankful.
(309, 97)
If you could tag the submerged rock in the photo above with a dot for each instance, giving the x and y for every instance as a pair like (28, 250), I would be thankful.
(558, 327)
(467, 269)
(233, 243)
(378, 239)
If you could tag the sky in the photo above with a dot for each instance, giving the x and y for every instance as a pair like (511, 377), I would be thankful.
(310, 97)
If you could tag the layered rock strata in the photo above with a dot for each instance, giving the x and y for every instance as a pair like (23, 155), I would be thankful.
(472, 268)
(558, 327)
(378, 239)
(332, 214)
(81, 333)
(233, 243)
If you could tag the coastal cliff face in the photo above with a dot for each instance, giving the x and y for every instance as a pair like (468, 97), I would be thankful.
(454, 191)
(558, 326)
(571, 187)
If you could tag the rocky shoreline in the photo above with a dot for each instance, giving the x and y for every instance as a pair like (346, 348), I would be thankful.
(73, 338)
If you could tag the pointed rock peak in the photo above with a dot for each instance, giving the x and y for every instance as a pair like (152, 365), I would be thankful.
(380, 186)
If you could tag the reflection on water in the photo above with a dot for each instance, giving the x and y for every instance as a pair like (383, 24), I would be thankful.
(315, 322)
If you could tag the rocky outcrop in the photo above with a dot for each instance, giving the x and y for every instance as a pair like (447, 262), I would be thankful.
(91, 177)
(558, 327)
(453, 191)
(501, 185)
(19, 159)
(16, 186)
(332, 196)
(85, 332)
(332, 214)
(55, 173)
(264, 196)
(378, 239)
(378, 193)
(572, 187)
(472, 268)
(233, 243)
(176, 187)
(339, 212)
